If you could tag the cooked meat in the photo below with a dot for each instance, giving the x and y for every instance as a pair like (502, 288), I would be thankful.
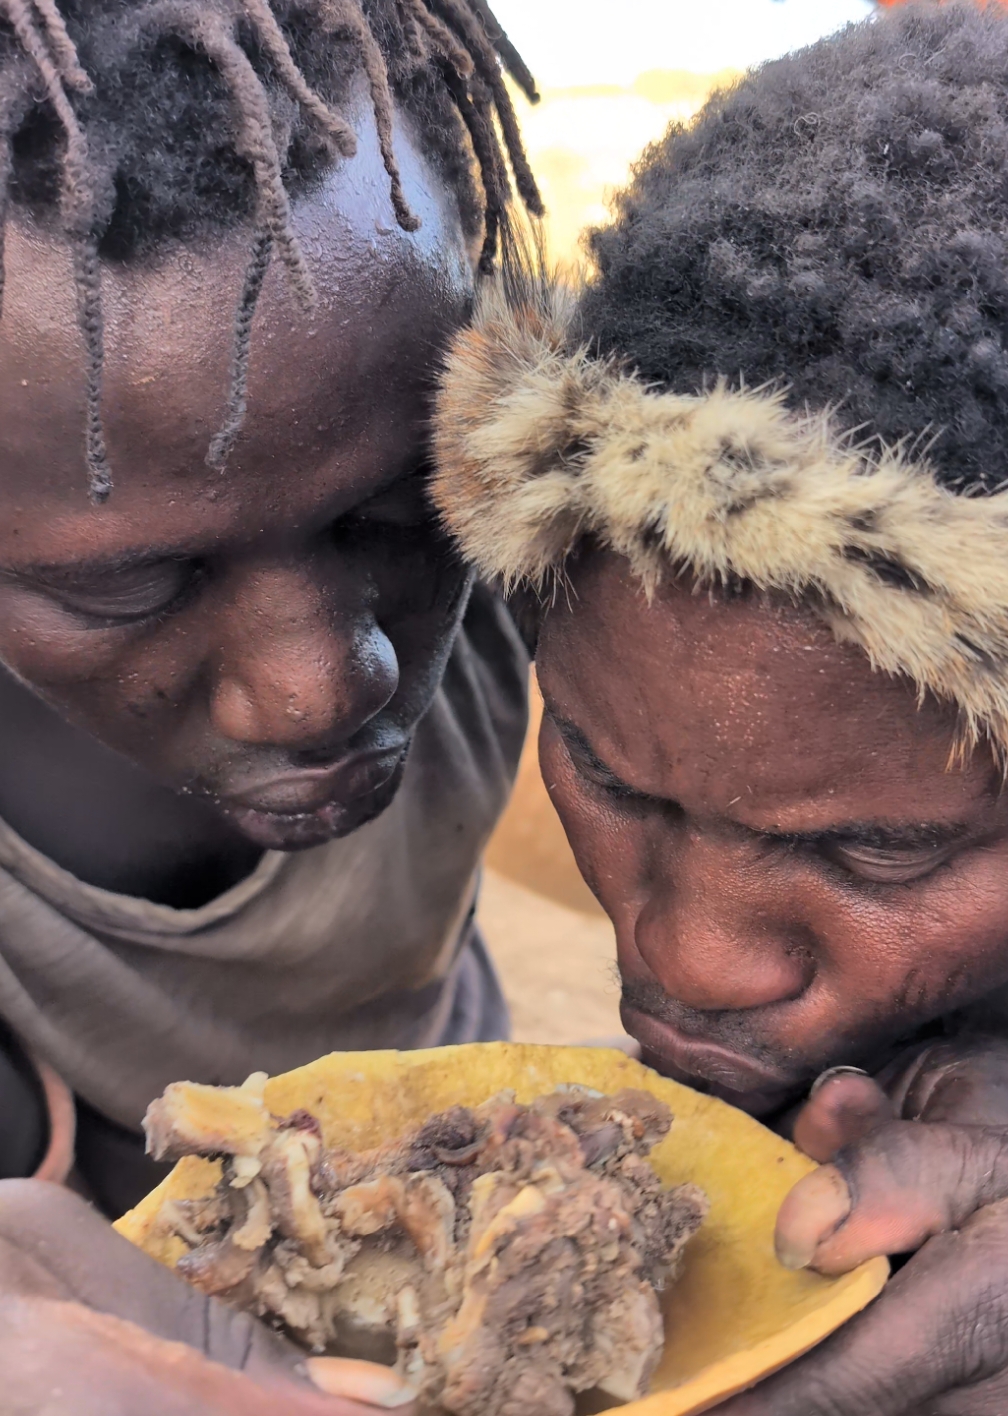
(510, 1255)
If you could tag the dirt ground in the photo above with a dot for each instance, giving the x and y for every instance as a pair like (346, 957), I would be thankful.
(552, 944)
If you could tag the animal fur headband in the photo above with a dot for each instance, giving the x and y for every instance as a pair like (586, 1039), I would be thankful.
(539, 445)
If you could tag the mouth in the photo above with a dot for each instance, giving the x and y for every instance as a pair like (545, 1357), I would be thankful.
(708, 1067)
(295, 810)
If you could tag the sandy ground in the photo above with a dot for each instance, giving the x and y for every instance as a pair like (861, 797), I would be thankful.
(552, 944)
(556, 965)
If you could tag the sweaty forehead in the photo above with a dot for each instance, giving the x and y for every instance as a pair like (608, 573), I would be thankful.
(337, 395)
(699, 692)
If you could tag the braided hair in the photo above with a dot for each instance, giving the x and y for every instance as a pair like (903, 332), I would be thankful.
(135, 122)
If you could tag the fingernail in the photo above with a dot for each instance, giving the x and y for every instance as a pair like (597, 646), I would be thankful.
(815, 1209)
(360, 1381)
(832, 1072)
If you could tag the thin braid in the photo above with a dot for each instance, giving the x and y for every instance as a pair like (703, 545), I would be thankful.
(479, 123)
(461, 18)
(62, 47)
(277, 48)
(413, 32)
(352, 16)
(254, 136)
(234, 415)
(87, 272)
(513, 61)
(79, 210)
(457, 43)
(441, 37)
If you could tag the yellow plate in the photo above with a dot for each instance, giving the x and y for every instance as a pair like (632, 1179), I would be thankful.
(735, 1315)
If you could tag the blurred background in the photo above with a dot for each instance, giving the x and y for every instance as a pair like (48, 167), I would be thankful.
(612, 78)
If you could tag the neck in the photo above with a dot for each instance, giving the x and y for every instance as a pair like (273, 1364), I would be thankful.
(104, 819)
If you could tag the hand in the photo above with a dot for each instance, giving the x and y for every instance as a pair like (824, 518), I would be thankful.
(963, 1082)
(90, 1326)
(935, 1343)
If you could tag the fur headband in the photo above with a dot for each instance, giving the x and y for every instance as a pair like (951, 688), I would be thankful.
(538, 446)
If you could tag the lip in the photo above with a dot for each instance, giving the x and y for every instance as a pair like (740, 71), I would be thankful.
(312, 789)
(298, 810)
(708, 1067)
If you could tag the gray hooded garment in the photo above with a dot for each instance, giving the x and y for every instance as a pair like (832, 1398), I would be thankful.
(364, 942)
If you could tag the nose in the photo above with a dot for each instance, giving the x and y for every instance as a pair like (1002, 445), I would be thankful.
(714, 934)
(294, 669)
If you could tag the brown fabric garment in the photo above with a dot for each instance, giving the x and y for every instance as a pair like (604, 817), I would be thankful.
(360, 943)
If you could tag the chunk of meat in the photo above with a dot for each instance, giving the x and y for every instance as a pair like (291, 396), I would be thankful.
(189, 1119)
(507, 1256)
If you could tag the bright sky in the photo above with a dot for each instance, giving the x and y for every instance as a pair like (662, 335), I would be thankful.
(597, 113)
(567, 42)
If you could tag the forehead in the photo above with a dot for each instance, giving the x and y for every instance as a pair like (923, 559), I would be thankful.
(707, 696)
(333, 394)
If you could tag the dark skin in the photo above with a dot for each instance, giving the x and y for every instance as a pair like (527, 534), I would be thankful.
(798, 879)
(262, 642)
(211, 665)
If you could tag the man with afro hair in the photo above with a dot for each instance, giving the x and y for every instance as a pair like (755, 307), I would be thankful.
(751, 485)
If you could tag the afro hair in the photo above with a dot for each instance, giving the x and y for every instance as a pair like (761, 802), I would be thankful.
(836, 225)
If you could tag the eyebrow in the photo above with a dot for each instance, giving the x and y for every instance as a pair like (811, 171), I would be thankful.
(93, 568)
(417, 469)
(880, 835)
(872, 835)
(581, 748)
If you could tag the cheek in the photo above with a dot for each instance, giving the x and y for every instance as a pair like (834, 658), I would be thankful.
(924, 949)
(118, 684)
(57, 653)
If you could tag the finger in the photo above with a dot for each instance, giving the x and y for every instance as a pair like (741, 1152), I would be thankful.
(360, 1381)
(937, 1334)
(54, 1245)
(965, 1081)
(889, 1193)
(843, 1107)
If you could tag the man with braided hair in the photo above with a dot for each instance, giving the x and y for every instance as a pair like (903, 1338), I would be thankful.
(757, 472)
(256, 721)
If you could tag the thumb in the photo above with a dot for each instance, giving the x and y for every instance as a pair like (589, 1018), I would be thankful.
(367, 1382)
(889, 1193)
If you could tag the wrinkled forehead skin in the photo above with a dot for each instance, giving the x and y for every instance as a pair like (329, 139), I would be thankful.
(384, 297)
(710, 689)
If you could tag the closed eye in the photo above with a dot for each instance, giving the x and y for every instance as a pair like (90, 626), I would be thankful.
(888, 865)
(125, 595)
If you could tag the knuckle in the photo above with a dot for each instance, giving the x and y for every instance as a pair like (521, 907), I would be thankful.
(953, 1169)
(894, 1148)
